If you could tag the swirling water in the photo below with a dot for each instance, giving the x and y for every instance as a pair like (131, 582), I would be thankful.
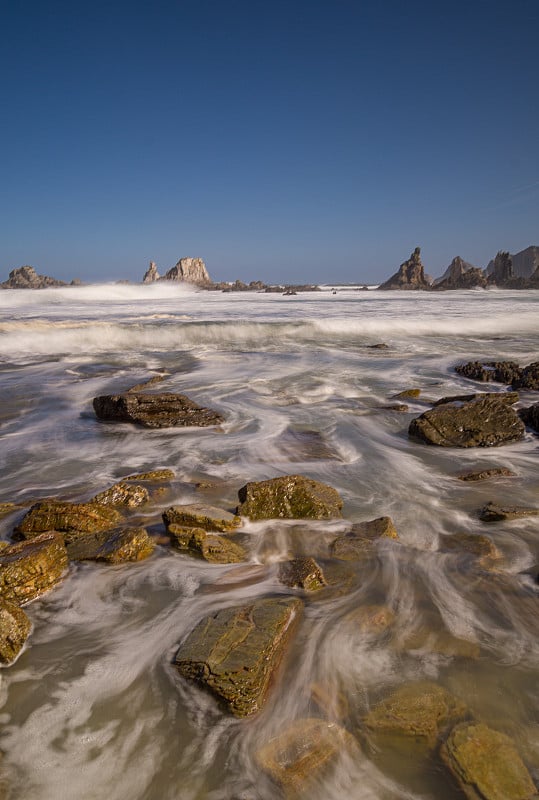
(93, 707)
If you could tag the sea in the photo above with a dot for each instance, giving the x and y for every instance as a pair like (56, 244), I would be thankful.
(94, 708)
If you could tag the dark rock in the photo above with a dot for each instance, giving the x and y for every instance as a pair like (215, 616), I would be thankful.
(501, 272)
(493, 512)
(485, 422)
(210, 546)
(528, 378)
(27, 278)
(123, 494)
(411, 275)
(497, 371)
(486, 474)
(15, 629)
(530, 416)
(304, 573)
(289, 497)
(70, 518)
(165, 410)
(504, 397)
(234, 653)
(200, 515)
(486, 764)
(29, 569)
(359, 541)
(461, 275)
(379, 346)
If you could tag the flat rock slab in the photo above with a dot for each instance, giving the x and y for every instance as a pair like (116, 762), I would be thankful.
(486, 764)
(155, 475)
(127, 545)
(510, 398)
(29, 569)
(15, 629)
(359, 541)
(303, 573)
(289, 497)
(53, 515)
(167, 410)
(485, 422)
(123, 494)
(234, 653)
(200, 515)
(210, 546)
(492, 512)
(486, 474)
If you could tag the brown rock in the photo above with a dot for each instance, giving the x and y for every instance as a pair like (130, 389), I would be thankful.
(461, 275)
(29, 569)
(289, 497)
(304, 573)
(129, 544)
(474, 544)
(200, 515)
(72, 518)
(493, 512)
(498, 371)
(165, 410)
(15, 629)
(486, 474)
(156, 475)
(359, 541)
(209, 546)
(123, 494)
(411, 275)
(530, 416)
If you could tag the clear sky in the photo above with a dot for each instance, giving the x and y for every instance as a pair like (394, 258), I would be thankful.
(284, 141)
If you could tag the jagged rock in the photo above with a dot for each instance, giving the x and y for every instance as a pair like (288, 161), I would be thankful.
(151, 273)
(304, 573)
(210, 546)
(156, 475)
(420, 711)
(530, 416)
(289, 497)
(486, 474)
(235, 652)
(15, 629)
(155, 410)
(529, 377)
(497, 371)
(129, 544)
(303, 754)
(493, 512)
(29, 569)
(27, 278)
(474, 544)
(461, 275)
(485, 422)
(123, 494)
(411, 275)
(357, 543)
(501, 272)
(486, 764)
(200, 515)
(189, 270)
(67, 518)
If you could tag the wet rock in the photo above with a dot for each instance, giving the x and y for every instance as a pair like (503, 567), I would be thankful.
(72, 518)
(474, 544)
(485, 422)
(234, 653)
(530, 416)
(411, 275)
(304, 753)
(379, 346)
(333, 704)
(166, 410)
(304, 573)
(209, 546)
(129, 544)
(402, 408)
(437, 641)
(123, 494)
(289, 497)
(486, 764)
(357, 543)
(200, 515)
(407, 393)
(497, 371)
(419, 710)
(370, 620)
(29, 569)
(7, 508)
(493, 512)
(504, 397)
(154, 475)
(15, 629)
(486, 474)
(155, 379)
(529, 377)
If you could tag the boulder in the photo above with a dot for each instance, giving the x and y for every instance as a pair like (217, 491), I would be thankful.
(411, 275)
(487, 474)
(461, 275)
(500, 271)
(359, 540)
(27, 278)
(165, 410)
(486, 371)
(189, 270)
(123, 494)
(200, 515)
(303, 573)
(485, 422)
(15, 629)
(29, 569)
(407, 394)
(235, 652)
(289, 497)
(528, 378)
(493, 512)
(68, 518)
(210, 546)
(303, 754)
(129, 544)
(486, 764)
(510, 398)
(530, 416)
(151, 275)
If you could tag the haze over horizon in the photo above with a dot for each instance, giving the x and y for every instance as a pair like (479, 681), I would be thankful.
(286, 142)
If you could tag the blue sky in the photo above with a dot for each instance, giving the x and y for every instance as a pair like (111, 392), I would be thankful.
(285, 141)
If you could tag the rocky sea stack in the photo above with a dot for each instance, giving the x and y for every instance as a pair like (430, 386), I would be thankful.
(27, 278)
(186, 270)
(411, 274)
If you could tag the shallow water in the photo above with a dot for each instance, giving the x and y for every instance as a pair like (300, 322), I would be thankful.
(93, 707)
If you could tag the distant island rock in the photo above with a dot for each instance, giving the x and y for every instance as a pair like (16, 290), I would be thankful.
(151, 273)
(460, 275)
(411, 275)
(186, 270)
(27, 278)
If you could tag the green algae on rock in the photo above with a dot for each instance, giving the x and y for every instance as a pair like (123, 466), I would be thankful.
(15, 629)
(304, 573)
(210, 546)
(486, 764)
(234, 653)
(29, 569)
(289, 497)
(200, 515)
(358, 541)
(123, 494)
(55, 515)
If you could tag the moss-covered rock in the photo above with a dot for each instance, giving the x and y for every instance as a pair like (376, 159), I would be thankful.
(200, 515)
(493, 512)
(304, 573)
(53, 515)
(210, 546)
(29, 569)
(304, 753)
(289, 497)
(123, 494)
(359, 540)
(15, 629)
(486, 764)
(235, 652)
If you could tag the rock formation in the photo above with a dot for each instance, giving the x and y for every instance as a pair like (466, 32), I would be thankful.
(461, 275)
(502, 269)
(411, 274)
(166, 410)
(27, 278)
(524, 263)
(289, 497)
(151, 273)
(189, 270)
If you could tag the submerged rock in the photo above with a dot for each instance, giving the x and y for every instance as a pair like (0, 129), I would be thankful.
(304, 573)
(474, 544)
(485, 422)
(71, 518)
(166, 410)
(370, 620)
(15, 629)
(407, 393)
(289, 497)
(234, 653)
(304, 753)
(29, 569)
(497, 371)
(486, 764)
(156, 475)
(530, 416)
(359, 540)
(123, 494)
(486, 474)
(209, 546)
(493, 512)
(200, 515)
